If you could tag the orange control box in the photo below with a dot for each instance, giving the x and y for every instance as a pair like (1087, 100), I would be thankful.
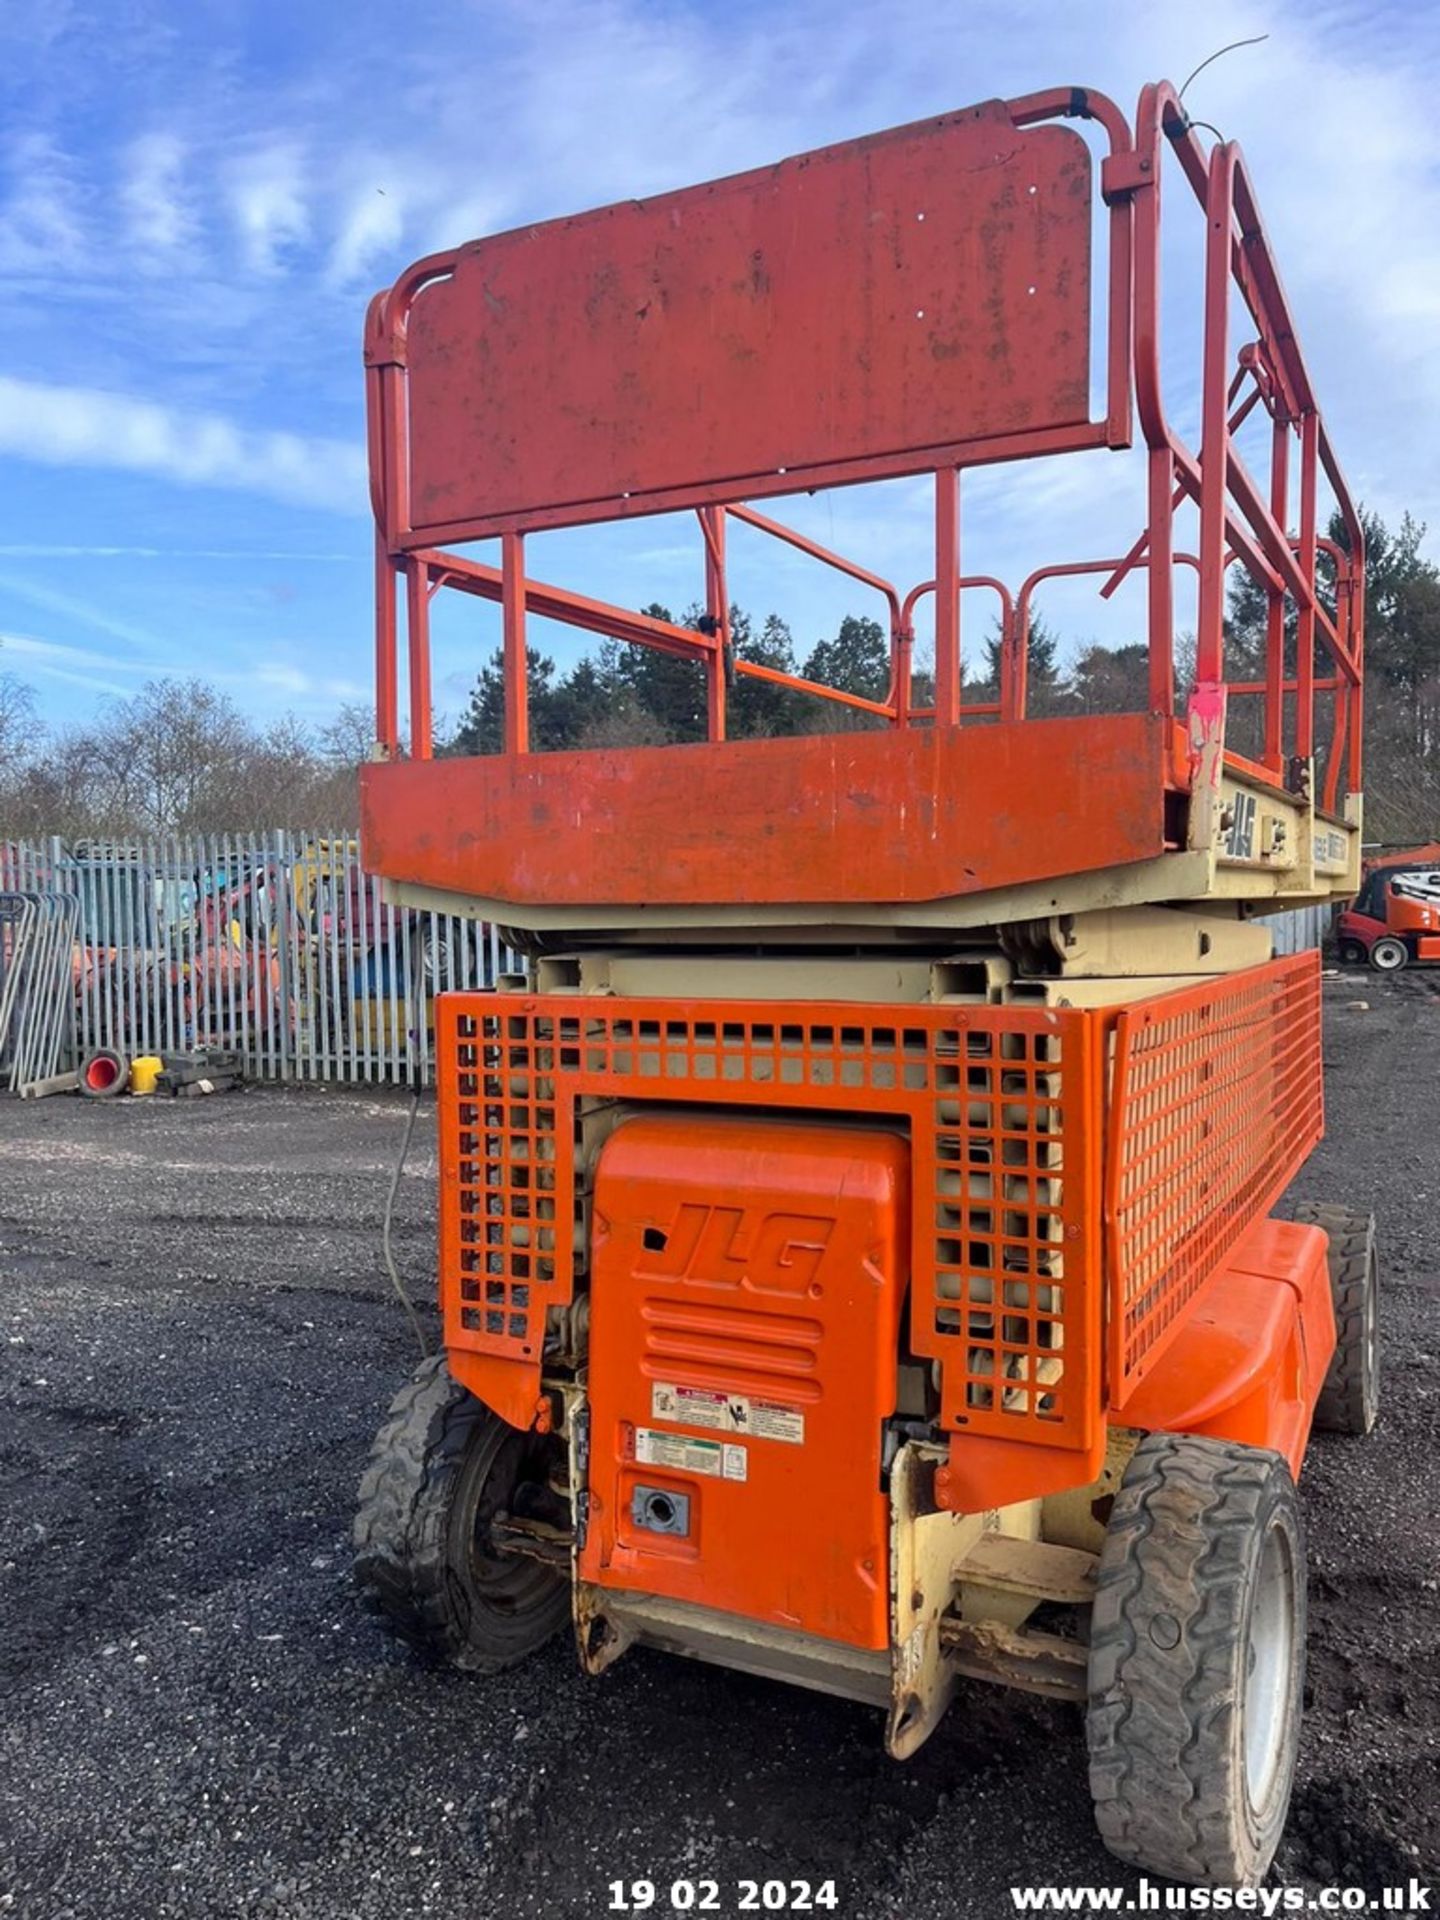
(747, 1282)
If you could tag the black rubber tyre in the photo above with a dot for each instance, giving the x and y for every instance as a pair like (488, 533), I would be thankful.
(1350, 1398)
(1352, 954)
(1197, 1658)
(441, 1467)
(1389, 955)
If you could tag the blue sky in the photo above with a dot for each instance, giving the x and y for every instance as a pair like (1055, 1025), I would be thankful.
(198, 196)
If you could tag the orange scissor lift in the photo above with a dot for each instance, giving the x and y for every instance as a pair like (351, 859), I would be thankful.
(855, 1240)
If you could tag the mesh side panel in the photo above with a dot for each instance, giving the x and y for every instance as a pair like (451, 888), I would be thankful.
(500, 1159)
(1000, 1105)
(1002, 1180)
(1216, 1103)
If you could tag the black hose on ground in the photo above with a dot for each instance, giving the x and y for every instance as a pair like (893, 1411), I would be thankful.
(390, 1267)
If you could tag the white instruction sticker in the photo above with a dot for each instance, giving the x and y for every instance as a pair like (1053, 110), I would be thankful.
(712, 1457)
(770, 1421)
(726, 1412)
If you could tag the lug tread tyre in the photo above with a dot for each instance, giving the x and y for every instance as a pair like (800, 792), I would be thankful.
(1350, 1398)
(1167, 1660)
(409, 1564)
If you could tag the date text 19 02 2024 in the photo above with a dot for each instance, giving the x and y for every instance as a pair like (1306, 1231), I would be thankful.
(709, 1896)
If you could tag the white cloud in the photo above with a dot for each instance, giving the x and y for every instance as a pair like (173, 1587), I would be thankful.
(267, 199)
(78, 666)
(40, 218)
(83, 666)
(147, 654)
(372, 223)
(449, 221)
(153, 193)
(34, 26)
(54, 600)
(82, 426)
(1350, 192)
(284, 677)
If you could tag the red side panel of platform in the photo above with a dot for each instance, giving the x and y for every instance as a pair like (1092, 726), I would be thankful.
(910, 816)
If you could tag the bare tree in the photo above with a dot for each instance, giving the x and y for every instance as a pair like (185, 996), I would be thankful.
(349, 738)
(179, 757)
(20, 731)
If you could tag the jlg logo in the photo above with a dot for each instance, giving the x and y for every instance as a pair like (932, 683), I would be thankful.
(730, 1247)
(1241, 842)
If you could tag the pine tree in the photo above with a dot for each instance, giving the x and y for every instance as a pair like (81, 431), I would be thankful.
(1402, 661)
(1111, 679)
(1043, 691)
(671, 692)
(857, 660)
(757, 709)
(482, 727)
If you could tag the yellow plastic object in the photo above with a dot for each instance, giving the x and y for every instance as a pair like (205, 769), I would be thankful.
(144, 1072)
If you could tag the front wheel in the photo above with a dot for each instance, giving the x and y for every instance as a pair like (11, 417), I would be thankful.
(1197, 1657)
(442, 1471)
(1389, 955)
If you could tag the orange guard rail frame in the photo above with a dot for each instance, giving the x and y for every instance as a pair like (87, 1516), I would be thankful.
(934, 283)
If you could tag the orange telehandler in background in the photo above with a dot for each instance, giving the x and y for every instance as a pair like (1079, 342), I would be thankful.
(857, 1252)
(1395, 917)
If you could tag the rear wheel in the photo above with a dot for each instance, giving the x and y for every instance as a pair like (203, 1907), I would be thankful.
(1350, 1398)
(1197, 1654)
(1352, 954)
(442, 1470)
(1389, 955)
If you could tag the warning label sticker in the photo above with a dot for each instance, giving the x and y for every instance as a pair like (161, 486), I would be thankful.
(770, 1421)
(698, 1407)
(727, 1412)
(713, 1457)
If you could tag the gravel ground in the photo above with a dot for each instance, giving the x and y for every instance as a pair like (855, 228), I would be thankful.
(199, 1721)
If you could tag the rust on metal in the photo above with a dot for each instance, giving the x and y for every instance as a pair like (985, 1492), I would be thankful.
(1035, 1662)
(923, 814)
(837, 314)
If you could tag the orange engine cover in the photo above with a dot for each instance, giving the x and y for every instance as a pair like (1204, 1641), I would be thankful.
(746, 1287)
